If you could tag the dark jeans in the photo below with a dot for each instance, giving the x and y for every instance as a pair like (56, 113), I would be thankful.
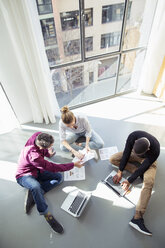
(40, 185)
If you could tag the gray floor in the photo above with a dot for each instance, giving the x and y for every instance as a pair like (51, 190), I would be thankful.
(105, 221)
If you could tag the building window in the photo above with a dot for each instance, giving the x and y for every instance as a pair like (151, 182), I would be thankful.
(111, 39)
(75, 76)
(91, 77)
(48, 30)
(112, 13)
(88, 17)
(70, 20)
(88, 44)
(53, 56)
(44, 6)
(72, 47)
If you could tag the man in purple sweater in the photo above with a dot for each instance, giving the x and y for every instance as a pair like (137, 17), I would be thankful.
(39, 175)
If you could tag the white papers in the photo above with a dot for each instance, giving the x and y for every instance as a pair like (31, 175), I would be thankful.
(88, 155)
(106, 153)
(75, 174)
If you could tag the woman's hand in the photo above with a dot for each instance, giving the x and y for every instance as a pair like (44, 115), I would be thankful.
(78, 155)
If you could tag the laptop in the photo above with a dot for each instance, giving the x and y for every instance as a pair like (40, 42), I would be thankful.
(76, 202)
(117, 188)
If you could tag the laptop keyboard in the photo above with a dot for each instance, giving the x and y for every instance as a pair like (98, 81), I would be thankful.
(117, 187)
(77, 201)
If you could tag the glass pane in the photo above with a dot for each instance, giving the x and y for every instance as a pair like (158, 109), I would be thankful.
(129, 72)
(139, 20)
(61, 31)
(85, 82)
(104, 25)
(44, 6)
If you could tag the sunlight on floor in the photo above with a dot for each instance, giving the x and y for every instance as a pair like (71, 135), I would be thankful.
(8, 170)
(131, 107)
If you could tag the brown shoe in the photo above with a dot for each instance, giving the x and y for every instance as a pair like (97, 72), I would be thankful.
(29, 202)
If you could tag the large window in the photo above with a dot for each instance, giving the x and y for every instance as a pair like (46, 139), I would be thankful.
(95, 49)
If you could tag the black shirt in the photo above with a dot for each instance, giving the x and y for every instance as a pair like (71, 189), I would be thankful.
(149, 157)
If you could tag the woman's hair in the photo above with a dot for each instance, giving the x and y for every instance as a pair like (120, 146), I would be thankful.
(67, 116)
(44, 140)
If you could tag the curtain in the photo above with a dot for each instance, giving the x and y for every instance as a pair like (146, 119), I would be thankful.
(159, 88)
(155, 51)
(22, 24)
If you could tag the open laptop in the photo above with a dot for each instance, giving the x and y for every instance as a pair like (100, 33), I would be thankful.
(116, 187)
(76, 202)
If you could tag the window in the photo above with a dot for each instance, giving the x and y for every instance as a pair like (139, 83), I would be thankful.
(112, 13)
(88, 44)
(75, 76)
(72, 47)
(71, 20)
(44, 6)
(111, 39)
(53, 56)
(88, 17)
(48, 31)
(107, 66)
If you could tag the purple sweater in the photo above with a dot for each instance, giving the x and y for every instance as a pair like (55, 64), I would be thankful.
(32, 159)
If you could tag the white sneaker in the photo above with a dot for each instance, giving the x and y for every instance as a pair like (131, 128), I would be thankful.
(95, 155)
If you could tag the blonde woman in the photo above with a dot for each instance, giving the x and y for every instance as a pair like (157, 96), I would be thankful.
(77, 126)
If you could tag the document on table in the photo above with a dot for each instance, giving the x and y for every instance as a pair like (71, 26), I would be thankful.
(87, 156)
(106, 153)
(75, 174)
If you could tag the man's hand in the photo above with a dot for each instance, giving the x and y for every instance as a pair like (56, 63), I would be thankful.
(117, 177)
(78, 164)
(125, 185)
(51, 151)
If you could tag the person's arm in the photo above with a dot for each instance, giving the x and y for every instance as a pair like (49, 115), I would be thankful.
(40, 163)
(87, 143)
(126, 154)
(88, 130)
(76, 153)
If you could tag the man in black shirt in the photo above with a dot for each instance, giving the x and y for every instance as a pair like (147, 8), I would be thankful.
(143, 149)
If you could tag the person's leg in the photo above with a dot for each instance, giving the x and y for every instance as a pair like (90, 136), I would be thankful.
(49, 180)
(95, 142)
(71, 138)
(148, 182)
(137, 221)
(34, 186)
(116, 158)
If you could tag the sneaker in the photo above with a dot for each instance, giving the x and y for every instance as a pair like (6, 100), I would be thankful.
(95, 155)
(55, 225)
(138, 224)
(29, 202)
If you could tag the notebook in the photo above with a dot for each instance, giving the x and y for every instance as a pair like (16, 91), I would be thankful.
(116, 187)
(76, 202)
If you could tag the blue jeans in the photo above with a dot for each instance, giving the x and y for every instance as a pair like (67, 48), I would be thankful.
(44, 182)
(95, 142)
